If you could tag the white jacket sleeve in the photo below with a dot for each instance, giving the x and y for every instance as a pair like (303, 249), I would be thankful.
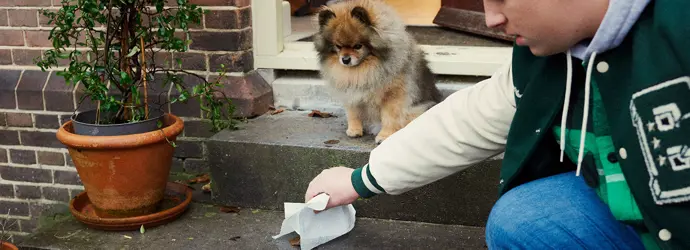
(469, 126)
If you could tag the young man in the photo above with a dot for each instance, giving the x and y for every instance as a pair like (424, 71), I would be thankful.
(593, 114)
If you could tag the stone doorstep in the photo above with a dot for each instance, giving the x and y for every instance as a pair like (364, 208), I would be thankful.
(272, 159)
(306, 90)
(204, 227)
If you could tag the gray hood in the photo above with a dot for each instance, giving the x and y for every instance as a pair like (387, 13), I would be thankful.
(619, 18)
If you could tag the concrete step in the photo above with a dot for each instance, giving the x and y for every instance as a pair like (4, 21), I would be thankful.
(204, 227)
(274, 157)
(306, 90)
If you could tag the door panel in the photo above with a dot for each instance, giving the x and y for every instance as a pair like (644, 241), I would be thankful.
(467, 16)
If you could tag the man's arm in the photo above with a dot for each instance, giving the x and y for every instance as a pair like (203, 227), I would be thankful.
(469, 126)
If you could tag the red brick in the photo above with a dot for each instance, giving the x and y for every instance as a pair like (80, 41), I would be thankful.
(7, 190)
(3, 155)
(67, 177)
(3, 119)
(5, 57)
(189, 149)
(27, 157)
(38, 38)
(3, 18)
(43, 20)
(35, 175)
(237, 40)
(241, 3)
(51, 158)
(213, 2)
(12, 38)
(30, 90)
(27, 192)
(58, 94)
(25, 56)
(9, 137)
(47, 121)
(56, 194)
(23, 18)
(233, 62)
(32, 3)
(16, 208)
(19, 120)
(251, 94)
(8, 82)
(192, 107)
(40, 139)
(191, 61)
(229, 19)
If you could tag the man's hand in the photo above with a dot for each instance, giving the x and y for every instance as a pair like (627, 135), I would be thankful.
(336, 183)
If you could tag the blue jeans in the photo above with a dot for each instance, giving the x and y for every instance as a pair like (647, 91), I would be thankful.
(559, 212)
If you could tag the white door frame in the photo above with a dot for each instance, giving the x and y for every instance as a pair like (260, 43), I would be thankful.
(270, 22)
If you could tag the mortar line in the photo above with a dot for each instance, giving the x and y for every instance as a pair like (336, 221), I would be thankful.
(16, 98)
(41, 185)
(44, 149)
(43, 92)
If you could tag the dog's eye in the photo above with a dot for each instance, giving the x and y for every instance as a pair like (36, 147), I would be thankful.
(358, 46)
(338, 47)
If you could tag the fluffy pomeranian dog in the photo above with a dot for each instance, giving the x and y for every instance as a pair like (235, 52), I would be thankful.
(373, 66)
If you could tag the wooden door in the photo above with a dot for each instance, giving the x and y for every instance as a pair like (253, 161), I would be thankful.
(467, 16)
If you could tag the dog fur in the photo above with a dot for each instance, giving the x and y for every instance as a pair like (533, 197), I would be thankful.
(373, 66)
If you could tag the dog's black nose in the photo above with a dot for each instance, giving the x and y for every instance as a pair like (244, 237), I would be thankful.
(346, 60)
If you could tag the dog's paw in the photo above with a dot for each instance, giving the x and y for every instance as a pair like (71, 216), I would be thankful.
(354, 133)
(380, 138)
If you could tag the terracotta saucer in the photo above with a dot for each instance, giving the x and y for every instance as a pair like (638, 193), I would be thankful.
(177, 199)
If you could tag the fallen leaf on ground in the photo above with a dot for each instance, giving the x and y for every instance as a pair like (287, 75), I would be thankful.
(142, 230)
(235, 238)
(229, 209)
(277, 111)
(209, 214)
(127, 236)
(190, 238)
(319, 114)
(256, 211)
(199, 179)
(331, 142)
(206, 188)
(295, 242)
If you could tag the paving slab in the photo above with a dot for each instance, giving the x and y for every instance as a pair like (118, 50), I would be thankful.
(272, 159)
(204, 227)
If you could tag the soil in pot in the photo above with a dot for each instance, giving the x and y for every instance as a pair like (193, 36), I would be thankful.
(85, 123)
(123, 175)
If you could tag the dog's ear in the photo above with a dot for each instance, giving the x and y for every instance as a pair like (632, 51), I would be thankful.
(324, 16)
(361, 14)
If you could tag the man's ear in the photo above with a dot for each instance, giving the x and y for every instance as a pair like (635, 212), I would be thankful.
(362, 15)
(324, 16)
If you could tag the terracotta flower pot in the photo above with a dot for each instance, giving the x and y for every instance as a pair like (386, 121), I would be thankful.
(124, 175)
(8, 246)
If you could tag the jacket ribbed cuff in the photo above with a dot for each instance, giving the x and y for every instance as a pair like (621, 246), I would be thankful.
(364, 183)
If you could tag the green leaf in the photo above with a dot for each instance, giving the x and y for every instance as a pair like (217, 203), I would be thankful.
(133, 51)
(142, 230)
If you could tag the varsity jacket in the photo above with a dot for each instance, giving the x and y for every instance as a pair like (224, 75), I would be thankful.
(623, 121)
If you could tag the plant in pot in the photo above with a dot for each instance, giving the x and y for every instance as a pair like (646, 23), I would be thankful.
(123, 147)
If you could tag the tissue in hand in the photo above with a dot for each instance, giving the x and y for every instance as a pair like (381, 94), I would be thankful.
(316, 229)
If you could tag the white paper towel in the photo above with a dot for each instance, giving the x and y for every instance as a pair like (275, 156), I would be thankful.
(316, 229)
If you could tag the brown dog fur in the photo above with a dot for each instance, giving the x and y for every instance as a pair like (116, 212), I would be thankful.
(374, 66)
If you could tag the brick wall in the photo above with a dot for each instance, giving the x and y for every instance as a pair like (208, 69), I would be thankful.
(35, 170)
